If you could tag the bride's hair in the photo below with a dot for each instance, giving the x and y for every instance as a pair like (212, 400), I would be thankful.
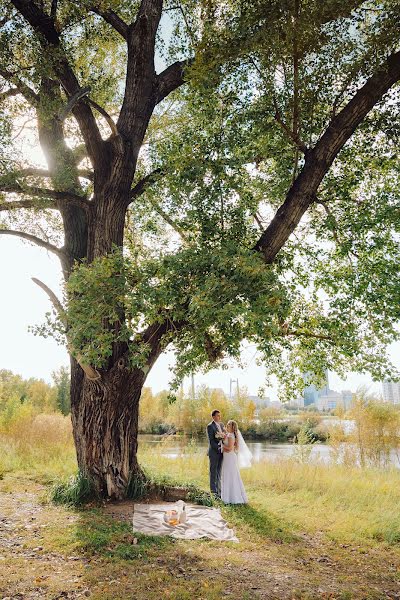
(234, 426)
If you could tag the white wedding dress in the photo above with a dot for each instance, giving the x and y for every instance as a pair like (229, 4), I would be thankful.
(232, 488)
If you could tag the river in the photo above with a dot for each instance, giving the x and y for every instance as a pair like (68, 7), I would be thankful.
(175, 446)
(260, 449)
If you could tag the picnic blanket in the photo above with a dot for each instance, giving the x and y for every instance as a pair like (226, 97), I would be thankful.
(202, 522)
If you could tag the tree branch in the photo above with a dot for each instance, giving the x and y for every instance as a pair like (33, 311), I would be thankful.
(49, 38)
(292, 135)
(328, 11)
(335, 228)
(330, 214)
(296, 91)
(89, 371)
(54, 300)
(171, 78)
(258, 221)
(112, 19)
(141, 187)
(30, 96)
(139, 97)
(153, 337)
(35, 240)
(168, 219)
(81, 93)
(79, 153)
(68, 197)
(214, 351)
(144, 183)
(53, 10)
(34, 172)
(86, 174)
(296, 61)
(308, 334)
(9, 93)
(188, 29)
(27, 204)
(105, 114)
(148, 17)
(319, 160)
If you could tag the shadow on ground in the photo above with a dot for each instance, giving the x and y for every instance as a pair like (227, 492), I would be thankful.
(260, 522)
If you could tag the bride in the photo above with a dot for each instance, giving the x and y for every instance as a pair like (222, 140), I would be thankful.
(236, 454)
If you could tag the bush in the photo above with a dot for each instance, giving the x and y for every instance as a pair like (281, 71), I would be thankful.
(277, 431)
(156, 429)
(375, 436)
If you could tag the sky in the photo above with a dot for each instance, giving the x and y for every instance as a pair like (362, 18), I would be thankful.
(23, 304)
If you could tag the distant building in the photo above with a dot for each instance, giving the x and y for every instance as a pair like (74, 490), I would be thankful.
(347, 399)
(325, 399)
(260, 402)
(276, 404)
(329, 400)
(311, 393)
(391, 391)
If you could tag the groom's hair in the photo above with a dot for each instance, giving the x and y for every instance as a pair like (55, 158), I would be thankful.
(214, 412)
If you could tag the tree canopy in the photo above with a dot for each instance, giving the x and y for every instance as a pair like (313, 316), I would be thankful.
(265, 200)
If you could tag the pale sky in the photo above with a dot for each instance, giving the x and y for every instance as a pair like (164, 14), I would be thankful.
(22, 303)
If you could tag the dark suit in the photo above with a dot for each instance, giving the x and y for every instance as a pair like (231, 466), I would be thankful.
(215, 456)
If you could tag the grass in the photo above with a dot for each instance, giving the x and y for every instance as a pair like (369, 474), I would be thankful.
(88, 549)
(99, 535)
(76, 491)
(308, 527)
(40, 447)
(347, 504)
(261, 522)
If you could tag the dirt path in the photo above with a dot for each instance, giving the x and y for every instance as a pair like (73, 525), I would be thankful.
(42, 556)
(29, 568)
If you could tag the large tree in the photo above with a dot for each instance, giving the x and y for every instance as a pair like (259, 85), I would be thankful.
(205, 186)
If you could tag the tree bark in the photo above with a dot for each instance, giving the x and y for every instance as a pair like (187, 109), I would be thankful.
(105, 424)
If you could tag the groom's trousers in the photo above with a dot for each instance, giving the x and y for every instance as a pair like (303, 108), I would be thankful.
(215, 471)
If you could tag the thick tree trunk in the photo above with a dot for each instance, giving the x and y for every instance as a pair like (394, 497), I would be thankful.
(105, 411)
(105, 425)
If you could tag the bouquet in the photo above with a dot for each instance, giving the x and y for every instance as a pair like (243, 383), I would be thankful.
(220, 436)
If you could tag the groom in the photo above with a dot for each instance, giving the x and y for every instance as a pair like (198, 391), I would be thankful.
(214, 452)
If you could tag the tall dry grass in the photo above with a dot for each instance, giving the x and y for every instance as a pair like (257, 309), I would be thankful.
(38, 445)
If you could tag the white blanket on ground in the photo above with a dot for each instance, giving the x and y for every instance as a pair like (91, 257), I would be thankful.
(201, 522)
